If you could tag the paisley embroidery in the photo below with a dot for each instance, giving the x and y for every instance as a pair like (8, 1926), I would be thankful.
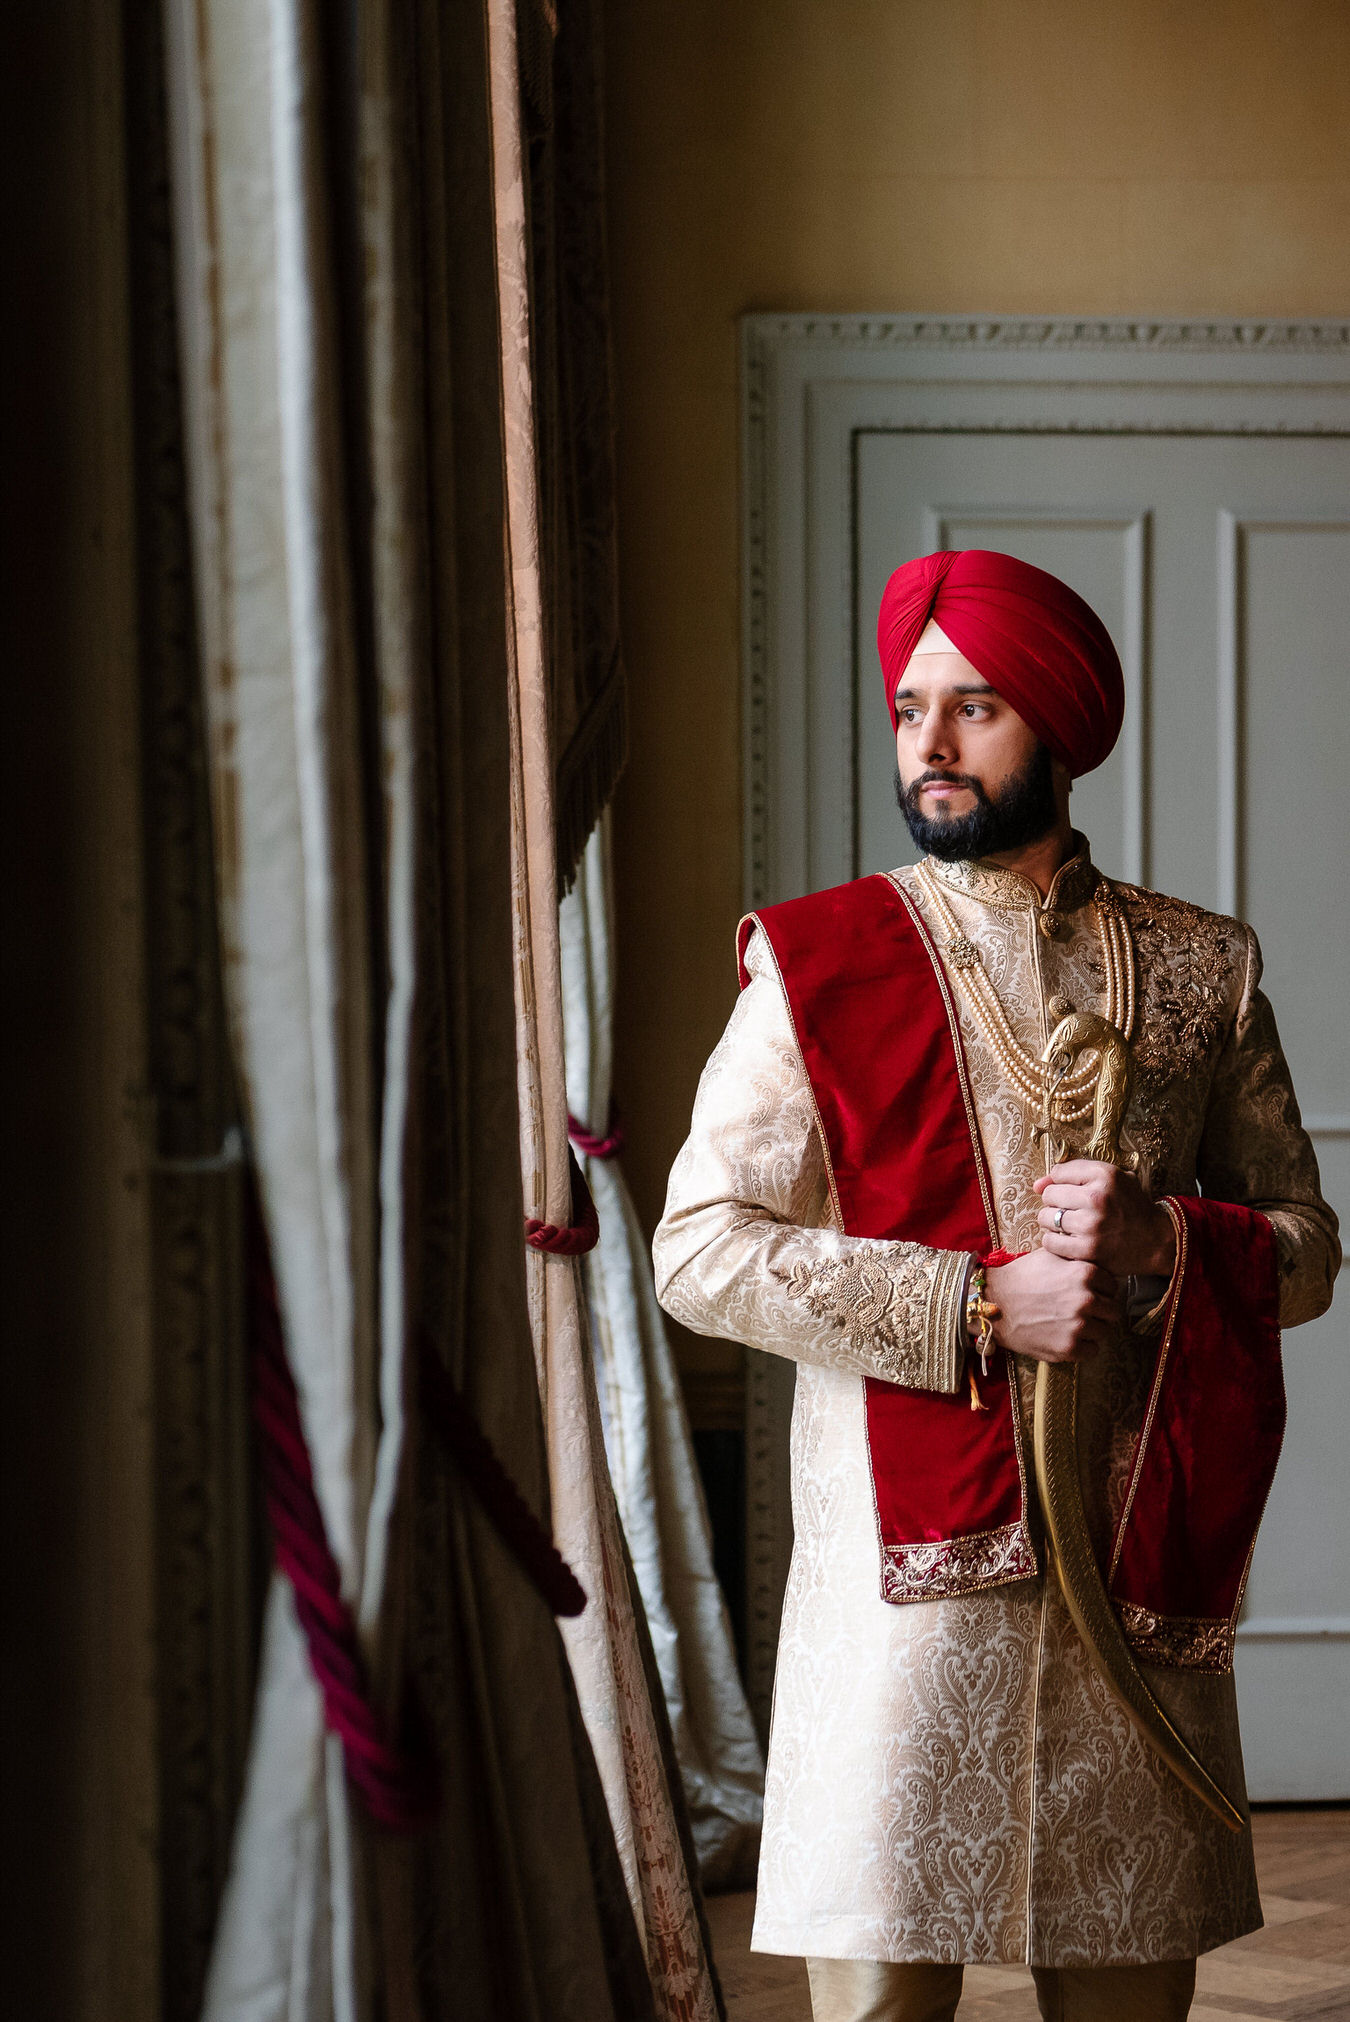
(1120, 1846)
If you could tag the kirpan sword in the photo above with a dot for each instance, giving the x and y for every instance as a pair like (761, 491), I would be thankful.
(1055, 1443)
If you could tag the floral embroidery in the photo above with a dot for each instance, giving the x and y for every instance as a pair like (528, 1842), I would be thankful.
(930, 1572)
(879, 1303)
(1188, 965)
(1183, 1642)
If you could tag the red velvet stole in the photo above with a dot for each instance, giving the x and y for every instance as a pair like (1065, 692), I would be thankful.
(877, 1029)
(1206, 1455)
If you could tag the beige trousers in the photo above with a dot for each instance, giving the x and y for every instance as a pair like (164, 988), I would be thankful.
(869, 1990)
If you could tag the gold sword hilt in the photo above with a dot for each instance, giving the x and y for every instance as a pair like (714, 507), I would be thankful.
(1085, 1032)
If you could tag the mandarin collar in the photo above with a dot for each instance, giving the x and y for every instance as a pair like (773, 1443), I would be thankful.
(1073, 885)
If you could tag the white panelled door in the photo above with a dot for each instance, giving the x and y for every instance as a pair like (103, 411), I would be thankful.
(1195, 488)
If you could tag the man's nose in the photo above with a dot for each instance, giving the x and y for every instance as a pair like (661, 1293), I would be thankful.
(933, 745)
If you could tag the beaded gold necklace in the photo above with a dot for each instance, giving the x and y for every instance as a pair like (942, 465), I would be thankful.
(1073, 1095)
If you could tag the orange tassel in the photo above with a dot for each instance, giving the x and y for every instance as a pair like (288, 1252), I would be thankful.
(977, 1403)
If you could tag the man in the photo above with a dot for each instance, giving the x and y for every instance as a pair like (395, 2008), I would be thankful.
(884, 1181)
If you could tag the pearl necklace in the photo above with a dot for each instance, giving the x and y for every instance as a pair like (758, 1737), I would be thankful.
(1074, 1095)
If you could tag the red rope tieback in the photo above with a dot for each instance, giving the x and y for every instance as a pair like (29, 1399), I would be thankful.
(398, 1791)
(581, 1234)
(502, 1502)
(597, 1147)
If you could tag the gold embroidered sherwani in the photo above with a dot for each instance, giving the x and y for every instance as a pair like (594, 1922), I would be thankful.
(948, 1780)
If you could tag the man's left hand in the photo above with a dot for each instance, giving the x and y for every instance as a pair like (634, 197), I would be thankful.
(1108, 1219)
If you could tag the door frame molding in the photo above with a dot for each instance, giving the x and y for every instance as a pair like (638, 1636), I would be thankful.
(809, 385)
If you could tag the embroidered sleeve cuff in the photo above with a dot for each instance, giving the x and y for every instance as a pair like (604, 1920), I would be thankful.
(888, 1310)
(945, 1330)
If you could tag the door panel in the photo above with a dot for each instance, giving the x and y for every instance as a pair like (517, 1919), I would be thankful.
(1291, 813)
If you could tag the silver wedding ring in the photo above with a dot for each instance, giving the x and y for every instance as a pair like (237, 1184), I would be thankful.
(1059, 1221)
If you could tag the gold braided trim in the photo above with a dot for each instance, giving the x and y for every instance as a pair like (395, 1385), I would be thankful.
(944, 1347)
(1173, 1304)
(1181, 1642)
(936, 1572)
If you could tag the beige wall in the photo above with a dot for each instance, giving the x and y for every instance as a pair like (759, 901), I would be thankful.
(1053, 156)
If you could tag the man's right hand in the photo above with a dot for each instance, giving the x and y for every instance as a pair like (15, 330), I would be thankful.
(1053, 1308)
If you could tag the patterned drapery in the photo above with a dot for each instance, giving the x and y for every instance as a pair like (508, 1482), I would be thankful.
(368, 669)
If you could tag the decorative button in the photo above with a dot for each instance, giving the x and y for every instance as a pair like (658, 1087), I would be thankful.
(963, 954)
(1051, 926)
(1060, 1007)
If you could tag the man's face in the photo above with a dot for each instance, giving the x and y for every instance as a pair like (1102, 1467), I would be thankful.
(950, 724)
(973, 778)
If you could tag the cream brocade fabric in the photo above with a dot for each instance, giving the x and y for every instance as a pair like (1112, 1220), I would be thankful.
(948, 1780)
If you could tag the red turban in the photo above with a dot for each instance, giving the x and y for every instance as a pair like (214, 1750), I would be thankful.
(1031, 637)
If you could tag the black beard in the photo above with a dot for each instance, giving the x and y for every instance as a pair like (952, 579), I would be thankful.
(1022, 811)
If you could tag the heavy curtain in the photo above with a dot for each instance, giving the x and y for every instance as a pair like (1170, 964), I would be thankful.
(562, 177)
(354, 319)
(647, 1440)
(605, 1643)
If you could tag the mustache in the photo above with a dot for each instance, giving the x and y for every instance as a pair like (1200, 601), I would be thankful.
(931, 778)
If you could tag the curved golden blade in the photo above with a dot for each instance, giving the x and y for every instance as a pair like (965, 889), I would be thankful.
(1055, 1447)
(1056, 1454)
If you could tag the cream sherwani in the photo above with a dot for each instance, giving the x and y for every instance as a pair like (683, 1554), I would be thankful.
(948, 1780)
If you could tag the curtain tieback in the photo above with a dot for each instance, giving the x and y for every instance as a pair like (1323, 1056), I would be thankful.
(398, 1790)
(581, 1234)
(608, 1146)
(502, 1502)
